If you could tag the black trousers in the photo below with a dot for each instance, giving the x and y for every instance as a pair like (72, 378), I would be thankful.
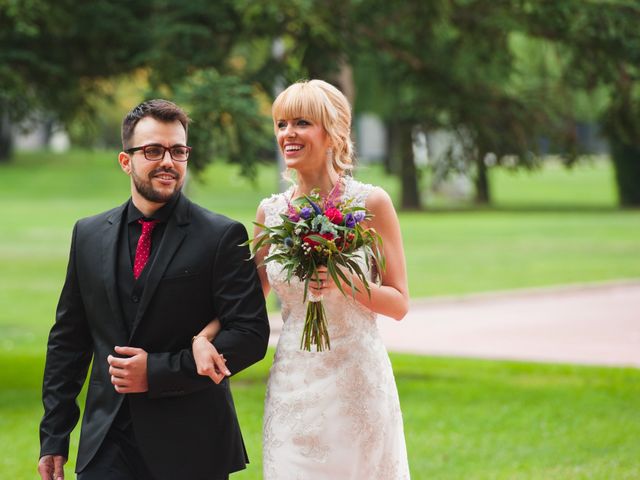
(119, 458)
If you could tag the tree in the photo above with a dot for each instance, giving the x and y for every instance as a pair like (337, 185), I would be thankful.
(206, 49)
(450, 65)
(227, 121)
(52, 53)
(622, 122)
(54, 57)
(602, 42)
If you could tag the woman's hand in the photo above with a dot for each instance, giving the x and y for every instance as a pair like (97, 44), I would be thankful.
(209, 362)
(321, 284)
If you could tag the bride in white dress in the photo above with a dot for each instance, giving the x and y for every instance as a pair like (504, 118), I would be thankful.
(333, 414)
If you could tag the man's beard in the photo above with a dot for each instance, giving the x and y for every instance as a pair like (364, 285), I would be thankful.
(146, 190)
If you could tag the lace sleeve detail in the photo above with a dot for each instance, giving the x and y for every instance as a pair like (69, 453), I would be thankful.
(357, 191)
(272, 207)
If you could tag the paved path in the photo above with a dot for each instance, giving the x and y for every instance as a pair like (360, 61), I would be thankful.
(588, 324)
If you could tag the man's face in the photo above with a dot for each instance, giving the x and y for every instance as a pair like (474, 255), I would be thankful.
(156, 181)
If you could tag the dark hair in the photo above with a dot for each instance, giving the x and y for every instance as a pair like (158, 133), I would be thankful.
(161, 110)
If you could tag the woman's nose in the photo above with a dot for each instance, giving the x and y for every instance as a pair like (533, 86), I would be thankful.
(289, 131)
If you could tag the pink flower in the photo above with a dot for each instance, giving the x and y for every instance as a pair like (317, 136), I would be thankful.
(334, 215)
(294, 215)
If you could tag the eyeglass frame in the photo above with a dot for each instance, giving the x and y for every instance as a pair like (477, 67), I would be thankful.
(164, 152)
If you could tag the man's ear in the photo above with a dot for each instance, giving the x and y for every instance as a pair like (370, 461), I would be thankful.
(124, 159)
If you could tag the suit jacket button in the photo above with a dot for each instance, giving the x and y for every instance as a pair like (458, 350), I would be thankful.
(135, 299)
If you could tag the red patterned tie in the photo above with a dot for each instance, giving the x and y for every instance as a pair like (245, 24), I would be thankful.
(144, 246)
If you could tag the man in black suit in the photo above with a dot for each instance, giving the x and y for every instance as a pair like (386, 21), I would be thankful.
(142, 280)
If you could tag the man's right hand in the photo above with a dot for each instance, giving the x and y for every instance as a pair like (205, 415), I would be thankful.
(51, 467)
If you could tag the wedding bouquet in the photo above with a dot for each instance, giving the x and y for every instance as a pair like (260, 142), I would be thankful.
(317, 232)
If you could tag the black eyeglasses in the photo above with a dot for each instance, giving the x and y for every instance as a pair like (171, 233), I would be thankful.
(155, 153)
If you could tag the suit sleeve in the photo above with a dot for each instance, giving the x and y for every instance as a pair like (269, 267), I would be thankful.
(244, 336)
(69, 353)
(239, 301)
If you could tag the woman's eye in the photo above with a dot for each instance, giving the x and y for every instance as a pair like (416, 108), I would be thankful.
(282, 124)
(303, 122)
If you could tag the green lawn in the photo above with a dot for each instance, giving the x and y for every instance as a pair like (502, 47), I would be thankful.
(473, 420)
(464, 419)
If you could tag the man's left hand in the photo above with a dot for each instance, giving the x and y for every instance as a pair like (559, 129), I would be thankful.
(129, 375)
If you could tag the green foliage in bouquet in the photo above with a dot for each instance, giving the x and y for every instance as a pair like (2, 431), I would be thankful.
(315, 233)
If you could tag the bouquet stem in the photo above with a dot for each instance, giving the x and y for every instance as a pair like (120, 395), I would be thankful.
(315, 330)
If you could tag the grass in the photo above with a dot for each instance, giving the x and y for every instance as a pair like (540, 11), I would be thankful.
(481, 420)
(463, 418)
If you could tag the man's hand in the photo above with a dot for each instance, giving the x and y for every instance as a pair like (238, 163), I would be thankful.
(129, 375)
(51, 467)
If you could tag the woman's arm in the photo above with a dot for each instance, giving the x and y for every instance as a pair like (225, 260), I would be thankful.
(391, 298)
(211, 330)
(261, 254)
(209, 362)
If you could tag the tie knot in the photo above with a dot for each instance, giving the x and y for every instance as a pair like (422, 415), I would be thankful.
(147, 225)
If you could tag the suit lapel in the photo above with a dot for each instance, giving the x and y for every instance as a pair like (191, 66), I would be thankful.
(173, 236)
(110, 261)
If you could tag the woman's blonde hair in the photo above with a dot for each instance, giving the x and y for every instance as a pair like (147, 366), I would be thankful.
(320, 101)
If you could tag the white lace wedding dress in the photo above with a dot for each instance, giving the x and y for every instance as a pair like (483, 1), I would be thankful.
(333, 414)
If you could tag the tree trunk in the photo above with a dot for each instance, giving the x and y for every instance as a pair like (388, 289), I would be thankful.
(626, 161)
(391, 162)
(6, 141)
(623, 128)
(408, 170)
(344, 79)
(483, 193)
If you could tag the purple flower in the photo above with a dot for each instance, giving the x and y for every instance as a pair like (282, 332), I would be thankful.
(294, 216)
(359, 216)
(305, 212)
(350, 220)
(315, 206)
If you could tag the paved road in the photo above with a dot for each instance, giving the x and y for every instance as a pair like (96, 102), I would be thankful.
(587, 324)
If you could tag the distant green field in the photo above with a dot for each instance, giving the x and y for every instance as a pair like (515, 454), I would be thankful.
(463, 418)
(549, 227)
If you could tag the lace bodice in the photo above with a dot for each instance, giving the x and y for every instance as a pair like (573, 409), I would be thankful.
(336, 413)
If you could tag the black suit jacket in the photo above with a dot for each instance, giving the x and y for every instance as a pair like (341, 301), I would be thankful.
(185, 425)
